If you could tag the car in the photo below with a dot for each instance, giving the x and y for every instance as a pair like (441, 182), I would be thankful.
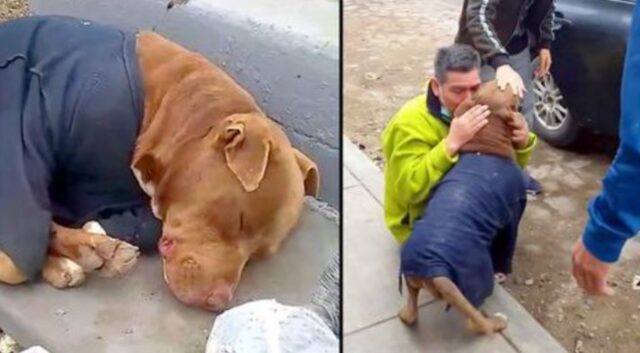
(582, 91)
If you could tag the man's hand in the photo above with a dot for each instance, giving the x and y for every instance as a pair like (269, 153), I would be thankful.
(465, 127)
(545, 62)
(590, 273)
(520, 131)
(505, 75)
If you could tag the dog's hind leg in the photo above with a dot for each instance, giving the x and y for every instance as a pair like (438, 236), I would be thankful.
(431, 288)
(9, 272)
(476, 322)
(409, 313)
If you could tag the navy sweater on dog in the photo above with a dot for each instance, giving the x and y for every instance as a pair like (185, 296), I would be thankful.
(71, 104)
(469, 227)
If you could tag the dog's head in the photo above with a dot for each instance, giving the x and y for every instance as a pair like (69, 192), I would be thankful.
(502, 103)
(234, 190)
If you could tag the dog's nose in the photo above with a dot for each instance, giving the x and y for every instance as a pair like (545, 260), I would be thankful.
(218, 299)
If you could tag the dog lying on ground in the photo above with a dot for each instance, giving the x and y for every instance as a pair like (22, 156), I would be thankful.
(114, 141)
(469, 228)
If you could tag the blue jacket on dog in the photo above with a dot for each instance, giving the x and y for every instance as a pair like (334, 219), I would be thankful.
(71, 103)
(469, 228)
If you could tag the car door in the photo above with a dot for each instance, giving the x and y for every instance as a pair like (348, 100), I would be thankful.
(589, 52)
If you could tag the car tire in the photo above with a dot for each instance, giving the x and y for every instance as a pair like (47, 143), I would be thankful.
(553, 122)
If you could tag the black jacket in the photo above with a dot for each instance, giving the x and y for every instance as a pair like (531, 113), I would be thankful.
(71, 103)
(489, 26)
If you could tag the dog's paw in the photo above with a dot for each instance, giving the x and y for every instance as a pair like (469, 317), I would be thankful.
(488, 325)
(408, 316)
(501, 316)
(499, 322)
(88, 258)
(93, 250)
(62, 273)
(119, 257)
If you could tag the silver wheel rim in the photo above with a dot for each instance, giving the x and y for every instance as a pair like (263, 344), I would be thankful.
(549, 107)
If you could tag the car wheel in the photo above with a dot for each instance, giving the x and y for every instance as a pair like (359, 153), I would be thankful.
(552, 121)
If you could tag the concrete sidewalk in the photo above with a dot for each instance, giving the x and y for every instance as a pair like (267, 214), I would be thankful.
(137, 313)
(370, 286)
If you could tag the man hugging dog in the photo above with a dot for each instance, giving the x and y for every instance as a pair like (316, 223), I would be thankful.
(454, 188)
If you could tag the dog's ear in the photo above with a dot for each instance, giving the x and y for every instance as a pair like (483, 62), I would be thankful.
(310, 173)
(149, 171)
(246, 153)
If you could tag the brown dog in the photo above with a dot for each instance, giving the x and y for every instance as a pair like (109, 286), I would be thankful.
(464, 253)
(223, 178)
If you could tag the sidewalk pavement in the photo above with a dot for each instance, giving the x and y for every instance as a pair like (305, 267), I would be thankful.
(137, 313)
(370, 286)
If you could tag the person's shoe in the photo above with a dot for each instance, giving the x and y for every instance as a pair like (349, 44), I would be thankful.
(533, 186)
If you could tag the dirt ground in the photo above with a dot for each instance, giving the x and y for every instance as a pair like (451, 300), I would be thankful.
(389, 47)
(11, 9)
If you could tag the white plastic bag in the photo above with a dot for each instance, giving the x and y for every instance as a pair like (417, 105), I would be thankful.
(35, 349)
(266, 326)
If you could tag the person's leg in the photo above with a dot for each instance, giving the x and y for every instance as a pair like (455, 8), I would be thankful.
(499, 255)
(521, 63)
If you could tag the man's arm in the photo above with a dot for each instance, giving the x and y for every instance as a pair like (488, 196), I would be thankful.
(614, 215)
(523, 155)
(523, 140)
(480, 16)
(417, 165)
(546, 36)
(613, 218)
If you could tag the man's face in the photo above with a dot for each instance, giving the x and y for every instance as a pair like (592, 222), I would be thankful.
(457, 87)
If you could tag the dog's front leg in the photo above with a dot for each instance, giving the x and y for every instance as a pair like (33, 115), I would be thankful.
(409, 313)
(61, 272)
(93, 251)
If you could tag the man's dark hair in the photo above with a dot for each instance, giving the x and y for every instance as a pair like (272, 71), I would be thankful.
(456, 57)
